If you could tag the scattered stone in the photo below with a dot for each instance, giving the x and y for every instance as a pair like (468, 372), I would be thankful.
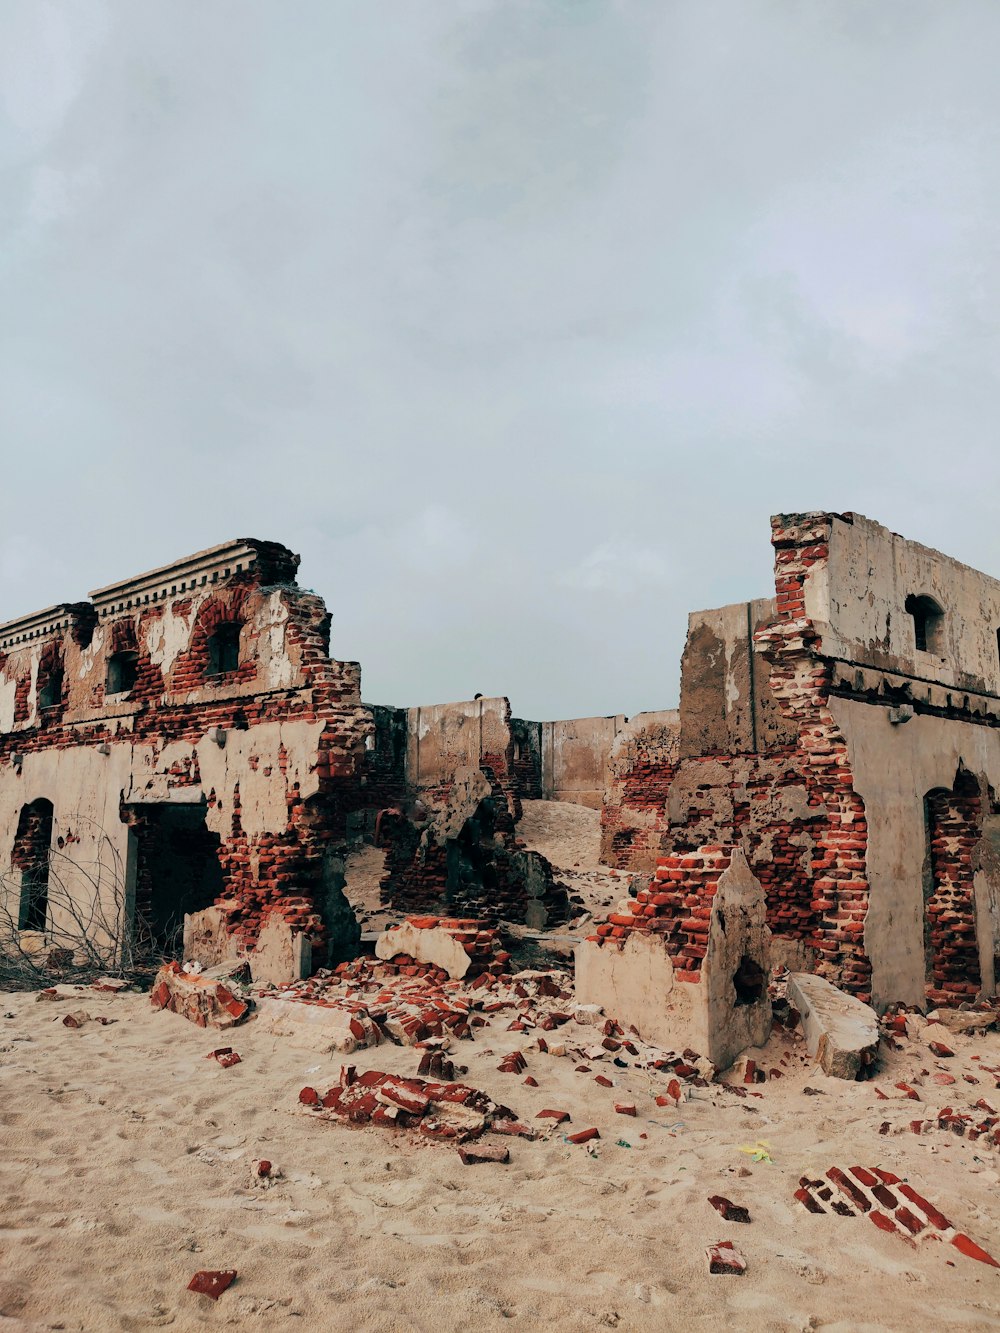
(483, 1152)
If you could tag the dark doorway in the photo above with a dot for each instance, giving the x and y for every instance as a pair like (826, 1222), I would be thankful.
(32, 847)
(177, 871)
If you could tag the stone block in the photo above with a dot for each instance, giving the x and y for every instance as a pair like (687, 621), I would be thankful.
(840, 1031)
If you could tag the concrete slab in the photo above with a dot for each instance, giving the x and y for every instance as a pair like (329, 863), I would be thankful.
(840, 1031)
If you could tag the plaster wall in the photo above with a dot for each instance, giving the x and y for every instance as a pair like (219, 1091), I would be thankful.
(726, 705)
(894, 767)
(89, 840)
(575, 757)
(857, 596)
(444, 737)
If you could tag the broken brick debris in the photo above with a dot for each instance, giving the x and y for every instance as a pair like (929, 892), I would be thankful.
(724, 1257)
(473, 1153)
(200, 999)
(731, 1212)
(437, 1110)
(212, 1282)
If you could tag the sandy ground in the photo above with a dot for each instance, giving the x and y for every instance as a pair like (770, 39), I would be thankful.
(126, 1167)
(570, 836)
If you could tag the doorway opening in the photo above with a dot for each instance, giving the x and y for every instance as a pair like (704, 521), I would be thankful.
(177, 870)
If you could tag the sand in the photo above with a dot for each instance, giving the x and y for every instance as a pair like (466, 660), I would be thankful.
(126, 1167)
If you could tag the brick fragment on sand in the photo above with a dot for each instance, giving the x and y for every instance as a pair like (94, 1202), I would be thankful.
(625, 1108)
(226, 1057)
(971, 1250)
(212, 1282)
(558, 1116)
(732, 1212)
(725, 1258)
(471, 1153)
(939, 1049)
(513, 1127)
(806, 1199)
(583, 1136)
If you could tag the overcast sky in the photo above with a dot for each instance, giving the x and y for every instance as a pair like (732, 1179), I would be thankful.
(517, 320)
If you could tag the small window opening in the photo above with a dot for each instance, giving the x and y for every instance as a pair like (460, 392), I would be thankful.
(51, 688)
(928, 624)
(748, 981)
(123, 669)
(224, 650)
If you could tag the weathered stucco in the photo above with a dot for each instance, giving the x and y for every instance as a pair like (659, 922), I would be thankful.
(894, 767)
(636, 982)
(262, 749)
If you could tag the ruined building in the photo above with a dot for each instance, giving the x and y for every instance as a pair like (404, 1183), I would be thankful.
(182, 744)
(845, 737)
(181, 739)
(826, 795)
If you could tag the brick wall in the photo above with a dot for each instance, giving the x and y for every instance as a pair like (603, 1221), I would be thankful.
(284, 675)
(954, 821)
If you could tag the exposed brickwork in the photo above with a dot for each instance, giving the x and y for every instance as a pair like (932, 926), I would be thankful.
(954, 820)
(793, 808)
(677, 905)
(640, 770)
(284, 675)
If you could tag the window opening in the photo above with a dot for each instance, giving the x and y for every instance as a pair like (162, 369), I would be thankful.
(224, 650)
(50, 690)
(123, 668)
(928, 624)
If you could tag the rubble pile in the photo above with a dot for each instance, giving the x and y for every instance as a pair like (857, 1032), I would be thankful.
(200, 998)
(436, 1110)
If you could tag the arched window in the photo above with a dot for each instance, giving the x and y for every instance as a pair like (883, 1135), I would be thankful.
(224, 650)
(928, 624)
(122, 671)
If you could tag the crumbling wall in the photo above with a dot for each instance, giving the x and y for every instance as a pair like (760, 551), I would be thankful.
(574, 757)
(462, 857)
(686, 960)
(266, 742)
(641, 768)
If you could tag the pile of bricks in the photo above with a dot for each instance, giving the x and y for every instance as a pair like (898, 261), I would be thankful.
(436, 1110)
(200, 999)
(964, 1124)
(677, 905)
